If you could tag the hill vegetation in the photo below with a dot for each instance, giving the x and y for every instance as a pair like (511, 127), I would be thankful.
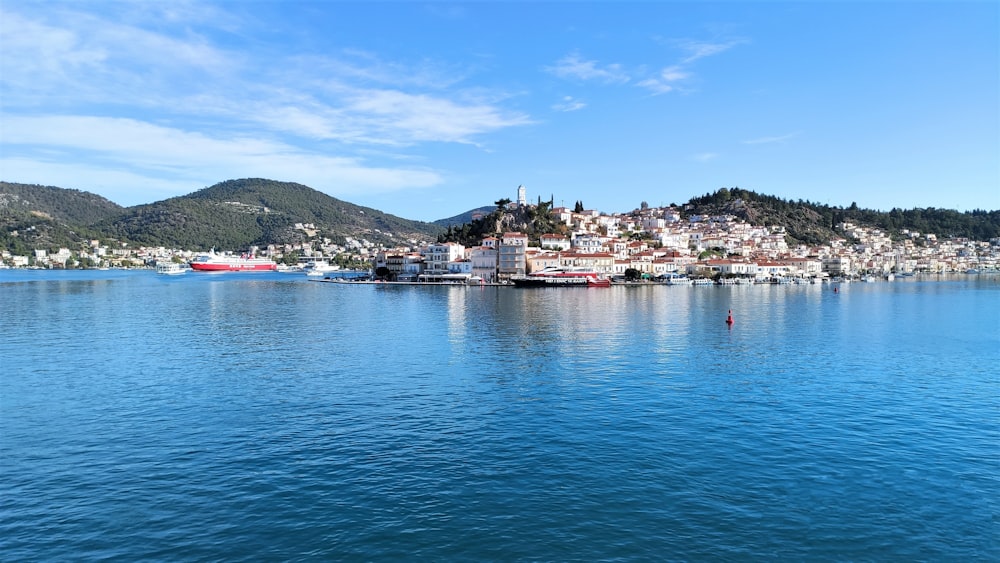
(533, 220)
(237, 214)
(231, 215)
(466, 217)
(34, 216)
(59, 204)
(814, 223)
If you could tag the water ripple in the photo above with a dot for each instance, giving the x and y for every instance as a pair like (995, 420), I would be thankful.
(248, 418)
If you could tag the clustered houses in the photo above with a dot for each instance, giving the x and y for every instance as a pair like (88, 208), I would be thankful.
(652, 241)
(657, 242)
(124, 256)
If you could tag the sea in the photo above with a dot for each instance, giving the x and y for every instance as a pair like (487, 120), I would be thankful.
(270, 417)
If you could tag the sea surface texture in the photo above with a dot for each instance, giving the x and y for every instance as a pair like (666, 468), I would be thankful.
(211, 417)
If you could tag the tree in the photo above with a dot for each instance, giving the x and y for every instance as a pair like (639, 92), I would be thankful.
(578, 208)
(291, 258)
(631, 274)
(502, 202)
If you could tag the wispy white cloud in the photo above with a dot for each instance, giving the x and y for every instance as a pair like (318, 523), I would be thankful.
(573, 66)
(400, 118)
(72, 58)
(766, 140)
(569, 103)
(700, 49)
(667, 79)
(140, 152)
(704, 157)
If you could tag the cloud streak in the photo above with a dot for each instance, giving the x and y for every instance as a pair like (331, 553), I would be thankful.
(141, 153)
(666, 80)
(769, 140)
(568, 104)
(575, 67)
(700, 49)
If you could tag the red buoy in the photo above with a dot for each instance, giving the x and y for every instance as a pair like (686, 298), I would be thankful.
(729, 319)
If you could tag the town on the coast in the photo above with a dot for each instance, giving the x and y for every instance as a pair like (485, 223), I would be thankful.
(647, 244)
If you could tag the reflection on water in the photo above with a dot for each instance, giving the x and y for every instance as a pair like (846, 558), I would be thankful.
(266, 417)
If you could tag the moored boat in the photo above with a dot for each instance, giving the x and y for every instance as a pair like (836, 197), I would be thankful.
(319, 268)
(555, 276)
(213, 262)
(674, 278)
(171, 268)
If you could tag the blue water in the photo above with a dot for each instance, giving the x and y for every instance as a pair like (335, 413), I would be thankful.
(268, 417)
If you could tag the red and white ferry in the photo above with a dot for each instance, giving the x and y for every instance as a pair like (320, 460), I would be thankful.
(213, 262)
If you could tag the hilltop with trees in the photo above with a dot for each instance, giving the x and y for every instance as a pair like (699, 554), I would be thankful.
(234, 214)
(815, 223)
(532, 220)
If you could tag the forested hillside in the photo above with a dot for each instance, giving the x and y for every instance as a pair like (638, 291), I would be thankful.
(231, 215)
(67, 206)
(815, 223)
(236, 214)
(33, 216)
(534, 221)
(466, 217)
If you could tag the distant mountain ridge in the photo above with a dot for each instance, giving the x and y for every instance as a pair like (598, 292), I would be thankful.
(466, 217)
(236, 214)
(231, 215)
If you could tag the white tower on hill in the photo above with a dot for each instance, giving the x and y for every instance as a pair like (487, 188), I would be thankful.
(522, 196)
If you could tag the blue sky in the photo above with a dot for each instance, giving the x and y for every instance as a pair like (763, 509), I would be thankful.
(428, 109)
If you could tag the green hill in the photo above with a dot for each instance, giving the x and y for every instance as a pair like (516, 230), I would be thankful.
(59, 204)
(231, 215)
(815, 223)
(466, 217)
(33, 216)
(236, 214)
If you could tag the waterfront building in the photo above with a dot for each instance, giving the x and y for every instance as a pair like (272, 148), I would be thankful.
(772, 270)
(804, 267)
(733, 267)
(484, 261)
(620, 265)
(438, 259)
(511, 255)
(837, 265)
